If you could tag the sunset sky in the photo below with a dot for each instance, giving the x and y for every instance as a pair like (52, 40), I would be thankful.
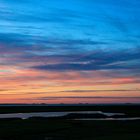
(69, 51)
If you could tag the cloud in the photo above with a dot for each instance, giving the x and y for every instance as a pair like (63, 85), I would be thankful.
(66, 43)
(86, 91)
(83, 97)
(107, 59)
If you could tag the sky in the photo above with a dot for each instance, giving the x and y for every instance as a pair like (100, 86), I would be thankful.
(69, 51)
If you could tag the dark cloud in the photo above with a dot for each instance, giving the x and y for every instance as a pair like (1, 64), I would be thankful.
(98, 60)
(84, 97)
(83, 91)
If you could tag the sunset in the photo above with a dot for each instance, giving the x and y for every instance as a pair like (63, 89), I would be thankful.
(69, 70)
(81, 51)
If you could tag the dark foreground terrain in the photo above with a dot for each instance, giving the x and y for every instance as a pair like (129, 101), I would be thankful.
(43, 129)
(65, 129)
(130, 109)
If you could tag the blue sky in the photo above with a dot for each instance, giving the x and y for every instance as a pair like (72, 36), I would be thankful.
(71, 36)
(72, 27)
(105, 20)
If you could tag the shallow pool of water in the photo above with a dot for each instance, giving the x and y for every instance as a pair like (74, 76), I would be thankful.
(54, 114)
(121, 119)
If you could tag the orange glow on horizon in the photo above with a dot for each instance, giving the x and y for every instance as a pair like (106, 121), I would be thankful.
(18, 85)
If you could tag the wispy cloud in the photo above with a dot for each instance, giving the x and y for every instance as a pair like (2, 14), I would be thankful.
(69, 44)
(92, 91)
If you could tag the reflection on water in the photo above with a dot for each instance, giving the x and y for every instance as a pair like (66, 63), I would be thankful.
(53, 114)
(59, 114)
(121, 119)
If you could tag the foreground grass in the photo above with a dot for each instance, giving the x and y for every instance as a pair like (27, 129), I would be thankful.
(43, 129)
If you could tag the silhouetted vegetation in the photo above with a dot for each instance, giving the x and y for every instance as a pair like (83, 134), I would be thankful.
(128, 108)
(63, 128)
(41, 129)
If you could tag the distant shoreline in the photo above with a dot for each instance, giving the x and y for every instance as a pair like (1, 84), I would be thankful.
(82, 104)
(30, 108)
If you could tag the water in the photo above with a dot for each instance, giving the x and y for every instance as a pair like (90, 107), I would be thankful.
(107, 119)
(53, 114)
(59, 114)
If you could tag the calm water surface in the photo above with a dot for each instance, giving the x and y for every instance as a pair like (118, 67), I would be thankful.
(53, 114)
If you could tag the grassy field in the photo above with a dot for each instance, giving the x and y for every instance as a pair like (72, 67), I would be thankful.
(41, 129)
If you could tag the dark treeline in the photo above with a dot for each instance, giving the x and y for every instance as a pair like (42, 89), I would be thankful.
(127, 108)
